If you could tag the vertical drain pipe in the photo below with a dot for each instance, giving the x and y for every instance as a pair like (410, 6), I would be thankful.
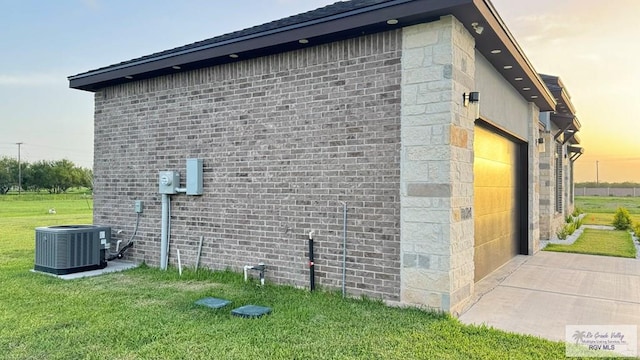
(344, 249)
(164, 232)
(312, 277)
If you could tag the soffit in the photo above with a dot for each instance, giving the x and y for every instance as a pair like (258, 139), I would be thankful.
(338, 21)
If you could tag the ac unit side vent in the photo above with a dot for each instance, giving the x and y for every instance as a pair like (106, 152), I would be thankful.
(69, 249)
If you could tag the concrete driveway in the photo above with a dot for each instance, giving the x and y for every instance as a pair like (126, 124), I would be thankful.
(541, 294)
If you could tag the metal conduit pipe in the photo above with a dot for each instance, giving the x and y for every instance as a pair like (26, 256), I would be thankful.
(164, 232)
(312, 275)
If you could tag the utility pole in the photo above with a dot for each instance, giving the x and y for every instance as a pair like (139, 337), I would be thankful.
(597, 172)
(19, 170)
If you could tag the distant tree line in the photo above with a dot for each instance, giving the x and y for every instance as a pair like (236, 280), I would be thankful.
(593, 184)
(53, 176)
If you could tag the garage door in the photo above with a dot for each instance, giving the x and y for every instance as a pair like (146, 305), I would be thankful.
(496, 203)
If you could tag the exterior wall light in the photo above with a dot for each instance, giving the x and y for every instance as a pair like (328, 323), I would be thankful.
(541, 147)
(472, 97)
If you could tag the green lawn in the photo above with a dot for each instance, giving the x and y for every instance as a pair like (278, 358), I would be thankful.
(146, 313)
(608, 204)
(599, 242)
(600, 209)
(605, 219)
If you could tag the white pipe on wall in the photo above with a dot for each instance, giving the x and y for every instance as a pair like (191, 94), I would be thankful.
(179, 262)
(246, 276)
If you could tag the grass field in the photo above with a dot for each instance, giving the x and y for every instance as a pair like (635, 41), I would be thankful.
(600, 209)
(600, 242)
(146, 313)
(608, 204)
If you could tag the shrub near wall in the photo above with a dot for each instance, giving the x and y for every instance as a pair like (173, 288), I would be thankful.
(622, 219)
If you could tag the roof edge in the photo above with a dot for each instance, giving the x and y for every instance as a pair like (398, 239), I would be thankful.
(486, 7)
(160, 56)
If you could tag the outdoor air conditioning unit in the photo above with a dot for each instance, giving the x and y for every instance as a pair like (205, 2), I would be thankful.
(70, 249)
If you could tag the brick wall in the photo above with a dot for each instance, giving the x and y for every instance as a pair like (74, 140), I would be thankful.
(284, 139)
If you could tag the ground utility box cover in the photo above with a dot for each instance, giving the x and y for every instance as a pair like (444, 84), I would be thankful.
(251, 311)
(213, 303)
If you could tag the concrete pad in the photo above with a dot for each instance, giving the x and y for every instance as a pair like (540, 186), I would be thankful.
(542, 294)
(607, 264)
(585, 283)
(112, 266)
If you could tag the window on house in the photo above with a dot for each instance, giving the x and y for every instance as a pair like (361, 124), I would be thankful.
(559, 188)
(571, 185)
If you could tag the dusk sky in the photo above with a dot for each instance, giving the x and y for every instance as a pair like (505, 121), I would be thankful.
(592, 45)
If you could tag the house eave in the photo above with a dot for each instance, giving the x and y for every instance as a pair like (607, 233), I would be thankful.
(357, 22)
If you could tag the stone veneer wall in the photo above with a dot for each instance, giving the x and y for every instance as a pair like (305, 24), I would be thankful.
(546, 189)
(437, 165)
(284, 139)
(550, 220)
(534, 179)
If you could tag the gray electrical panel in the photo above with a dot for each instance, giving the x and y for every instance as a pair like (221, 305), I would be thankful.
(168, 182)
(194, 176)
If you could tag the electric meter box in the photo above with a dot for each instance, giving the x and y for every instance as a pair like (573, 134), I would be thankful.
(168, 182)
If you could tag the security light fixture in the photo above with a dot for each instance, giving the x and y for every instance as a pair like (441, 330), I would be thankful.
(477, 28)
(471, 97)
(541, 146)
